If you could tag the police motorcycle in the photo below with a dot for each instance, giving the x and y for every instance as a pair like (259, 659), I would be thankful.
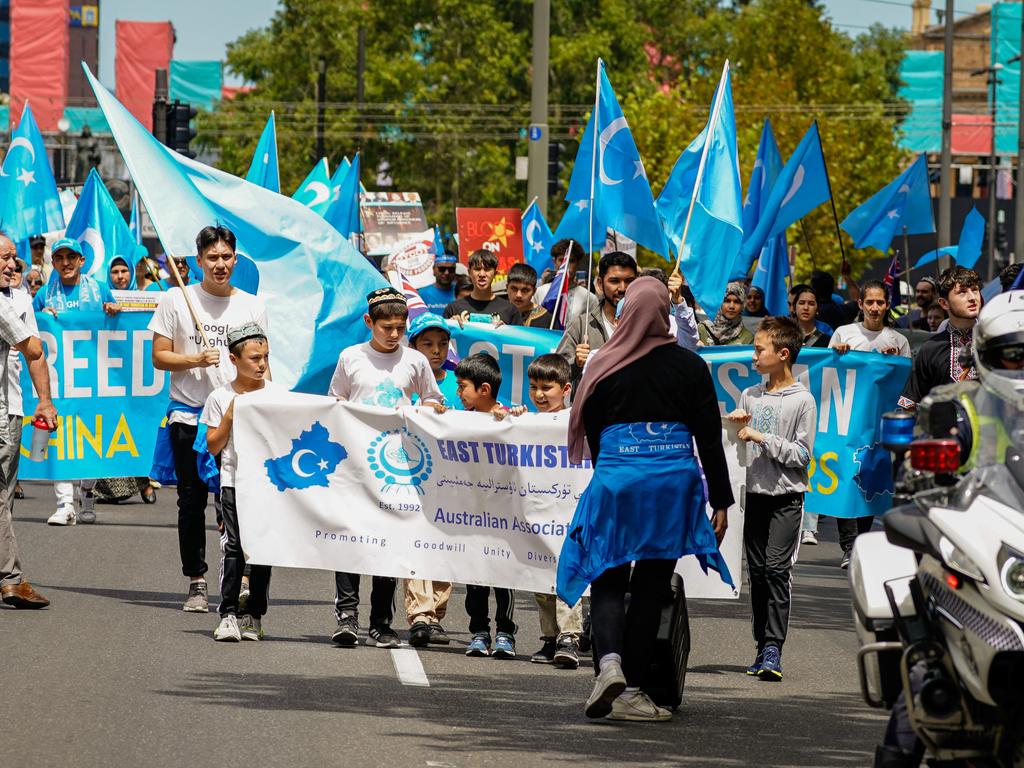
(939, 595)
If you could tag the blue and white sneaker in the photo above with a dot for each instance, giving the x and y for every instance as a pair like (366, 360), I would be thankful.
(480, 645)
(504, 646)
(771, 667)
(755, 669)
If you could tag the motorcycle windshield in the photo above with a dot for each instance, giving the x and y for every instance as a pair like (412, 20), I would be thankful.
(998, 425)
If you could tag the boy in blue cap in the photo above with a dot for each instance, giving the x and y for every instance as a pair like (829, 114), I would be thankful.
(442, 292)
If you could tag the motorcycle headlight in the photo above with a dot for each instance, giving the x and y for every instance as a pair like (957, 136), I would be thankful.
(1013, 577)
(959, 561)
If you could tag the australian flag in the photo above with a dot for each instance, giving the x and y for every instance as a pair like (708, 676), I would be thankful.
(892, 282)
(557, 301)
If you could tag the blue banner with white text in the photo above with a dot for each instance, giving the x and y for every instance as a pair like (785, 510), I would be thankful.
(109, 398)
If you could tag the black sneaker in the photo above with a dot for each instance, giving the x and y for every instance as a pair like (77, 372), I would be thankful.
(583, 644)
(419, 634)
(347, 633)
(546, 655)
(438, 636)
(383, 637)
(845, 562)
(566, 655)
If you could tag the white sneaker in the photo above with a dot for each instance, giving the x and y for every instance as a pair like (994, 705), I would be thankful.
(638, 707)
(87, 514)
(227, 630)
(251, 628)
(808, 537)
(609, 684)
(65, 515)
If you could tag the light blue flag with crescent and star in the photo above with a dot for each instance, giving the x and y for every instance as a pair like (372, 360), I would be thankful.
(263, 169)
(30, 201)
(716, 227)
(617, 181)
(314, 283)
(903, 203)
(537, 238)
(343, 213)
(102, 231)
(135, 220)
(315, 190)
(772, 273)
(968, 250)
(801, 186)
(577, 224)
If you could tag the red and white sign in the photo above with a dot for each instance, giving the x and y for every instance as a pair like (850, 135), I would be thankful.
(414, 258)
(494, 229)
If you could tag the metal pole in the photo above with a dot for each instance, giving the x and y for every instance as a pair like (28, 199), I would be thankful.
(1018, 197)
(160, 107)
(946, 180)
(537, 159)
(991, 191)
(321, 97)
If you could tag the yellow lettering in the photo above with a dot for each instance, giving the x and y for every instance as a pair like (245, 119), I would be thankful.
(95, 438)
(25, 421)
(57, 438)
(122, 440)
(829, 472)
(69, 430)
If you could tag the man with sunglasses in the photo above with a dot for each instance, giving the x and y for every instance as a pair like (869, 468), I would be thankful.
(442, 292)
(33, 281)
(938, 359)
(165, 285)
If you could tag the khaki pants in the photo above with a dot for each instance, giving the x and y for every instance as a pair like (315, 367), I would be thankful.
(557, 618)
(426, 600)
(10, 566)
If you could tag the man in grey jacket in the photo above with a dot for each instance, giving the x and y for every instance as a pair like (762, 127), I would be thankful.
(585, 334)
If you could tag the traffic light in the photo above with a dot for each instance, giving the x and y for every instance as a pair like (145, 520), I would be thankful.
(555, 166)
(179, 127)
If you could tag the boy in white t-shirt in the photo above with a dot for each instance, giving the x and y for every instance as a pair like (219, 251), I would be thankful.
(247, 345)
(872, 334)
(195, 372)
(380, 372)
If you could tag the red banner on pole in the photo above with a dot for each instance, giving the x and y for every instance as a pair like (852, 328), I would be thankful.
(39, 60)
(494, 229)
(143, 47)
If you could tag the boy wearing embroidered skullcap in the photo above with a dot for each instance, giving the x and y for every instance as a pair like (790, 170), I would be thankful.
(385, 373)
(247, 346)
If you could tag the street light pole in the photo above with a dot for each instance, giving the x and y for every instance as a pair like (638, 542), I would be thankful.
(1018, 196)
(992, 81)
(537, 152)
(946, 179)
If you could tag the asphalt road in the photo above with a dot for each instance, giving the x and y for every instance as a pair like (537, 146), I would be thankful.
(115, 674)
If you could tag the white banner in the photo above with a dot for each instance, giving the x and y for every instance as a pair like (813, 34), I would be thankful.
(408, 493)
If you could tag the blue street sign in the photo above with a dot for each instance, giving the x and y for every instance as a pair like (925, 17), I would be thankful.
(535, 132)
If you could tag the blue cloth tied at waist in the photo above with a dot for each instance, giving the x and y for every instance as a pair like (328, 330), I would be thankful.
(645, 501)
(163, 470)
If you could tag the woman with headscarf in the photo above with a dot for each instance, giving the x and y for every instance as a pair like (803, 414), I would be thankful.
(727, 328)
(642, 401)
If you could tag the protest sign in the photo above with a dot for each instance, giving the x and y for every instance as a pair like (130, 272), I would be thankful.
(414, 257)
(137, 301)
(110, 398)
(493, 229)
(457, 497)
(389, 218)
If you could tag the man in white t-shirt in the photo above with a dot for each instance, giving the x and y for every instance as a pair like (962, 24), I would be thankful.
(386, 373)
(872, 334)
(195, 372)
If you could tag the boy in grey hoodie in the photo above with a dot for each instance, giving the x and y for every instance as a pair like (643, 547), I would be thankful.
(779, 420)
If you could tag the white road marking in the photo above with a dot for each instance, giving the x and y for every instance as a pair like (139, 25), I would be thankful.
(408, 667)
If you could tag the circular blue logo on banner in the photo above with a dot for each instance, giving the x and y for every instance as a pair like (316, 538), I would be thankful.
(399, 459)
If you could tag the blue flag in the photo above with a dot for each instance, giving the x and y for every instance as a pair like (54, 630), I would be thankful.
(135, 220)
(438, 241)
(343, 213)
(967, 252)
(263, 169)
(800, 188)
(31, 204)
(313, 281)
(315, 190)
(576, 225)
(618, 184)
(772, 273)
(101, 229)
(904, 203)
(537, 238)
(716, 230)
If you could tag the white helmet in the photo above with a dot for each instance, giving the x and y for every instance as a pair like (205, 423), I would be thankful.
(999, 347)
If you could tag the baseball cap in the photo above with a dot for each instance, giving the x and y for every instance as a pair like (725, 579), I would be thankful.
(68, 243)
(426, 321)
(446, 258)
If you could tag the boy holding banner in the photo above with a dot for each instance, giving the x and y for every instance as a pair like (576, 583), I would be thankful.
(190, 340)
(384, 373)
(247, 348)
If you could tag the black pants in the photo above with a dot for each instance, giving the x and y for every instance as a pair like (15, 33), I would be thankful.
(192, 497)
(382, 598)
(630, 634)
(234, 566)
(771, 537)
(852, 527)
(477, 608)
